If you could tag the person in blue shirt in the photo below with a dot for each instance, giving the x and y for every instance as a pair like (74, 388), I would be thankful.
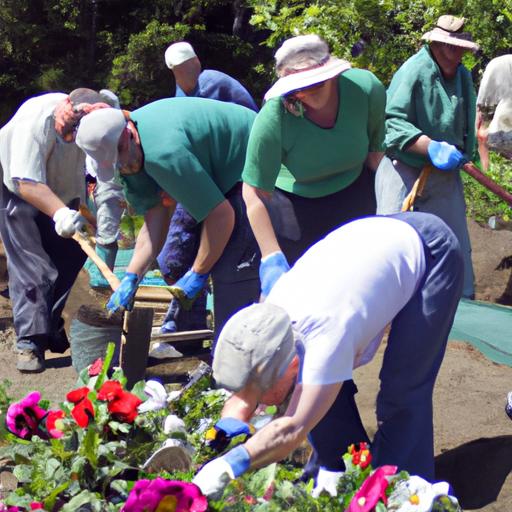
(182, 60)
(180, 248)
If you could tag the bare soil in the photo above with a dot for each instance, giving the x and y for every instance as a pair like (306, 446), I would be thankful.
(473, 434)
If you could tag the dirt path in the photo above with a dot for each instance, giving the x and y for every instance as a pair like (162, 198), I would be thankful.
(473, 434)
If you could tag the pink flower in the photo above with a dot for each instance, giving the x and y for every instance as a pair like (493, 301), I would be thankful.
(372, 490)
(162, 495)
(36, 505)
(23, 417)
(53, 425)
(95, 368)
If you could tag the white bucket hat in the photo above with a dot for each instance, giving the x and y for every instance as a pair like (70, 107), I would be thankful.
(98, 136)
(304, 61)
(448, 30)
(178, 53)
(256, 343)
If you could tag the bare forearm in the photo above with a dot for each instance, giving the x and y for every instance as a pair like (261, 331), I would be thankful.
(274, 442)
(373, 159)
(215, 234)
(260, 220)
(40, 196)
(420, 145)
(150, 239)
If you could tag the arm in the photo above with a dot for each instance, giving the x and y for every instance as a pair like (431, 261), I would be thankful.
(151, 238)
(215, 233)
(275, 441)
(40, 196)
(259, 219)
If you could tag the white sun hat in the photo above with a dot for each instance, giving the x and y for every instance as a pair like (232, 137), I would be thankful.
(304, 61)
(448, 30)
(178, 53)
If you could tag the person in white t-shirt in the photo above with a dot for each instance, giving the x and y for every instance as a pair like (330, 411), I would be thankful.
(331, 310)
(43, 181)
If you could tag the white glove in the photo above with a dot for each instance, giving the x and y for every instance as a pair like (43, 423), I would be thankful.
(67, 221)
(213, 478)
(326, 481)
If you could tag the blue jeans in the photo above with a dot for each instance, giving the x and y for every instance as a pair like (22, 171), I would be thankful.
(413, 355)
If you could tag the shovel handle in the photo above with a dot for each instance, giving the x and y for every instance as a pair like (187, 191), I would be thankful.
(87, 247)
(487, 182)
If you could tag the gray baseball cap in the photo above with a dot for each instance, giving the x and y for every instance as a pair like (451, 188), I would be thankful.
(256, 343)
(98, 136)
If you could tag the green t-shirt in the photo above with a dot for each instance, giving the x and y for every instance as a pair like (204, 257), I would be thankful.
(194, 149)
(298, 156)
(421, 102)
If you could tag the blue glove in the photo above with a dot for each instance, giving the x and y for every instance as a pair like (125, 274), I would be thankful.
(189, 287)
(123, 296)
(225, 430)
(444, 156)
(213, 477)
(272, 267)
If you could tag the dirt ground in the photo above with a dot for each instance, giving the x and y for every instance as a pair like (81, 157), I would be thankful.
(473, 434)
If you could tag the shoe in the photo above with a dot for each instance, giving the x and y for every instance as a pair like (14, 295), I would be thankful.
(30, 361)
(508, 407)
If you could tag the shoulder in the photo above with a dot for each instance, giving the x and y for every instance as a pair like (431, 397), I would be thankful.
(363, 79)
(216, 76)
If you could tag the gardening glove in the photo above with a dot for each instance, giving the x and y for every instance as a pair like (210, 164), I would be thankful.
(225, 430)
(123, 296)
(445, 156)
(326, 481)
(213, 478)
(272, 267)
(188, 287)
(67, 221)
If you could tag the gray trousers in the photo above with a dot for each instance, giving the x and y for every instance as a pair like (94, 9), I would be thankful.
(443, 196)
(42, 268)
(414, 352)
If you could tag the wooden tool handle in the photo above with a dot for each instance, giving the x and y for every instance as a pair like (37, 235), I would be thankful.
(417, 189)
(87, 247)
(487, 182)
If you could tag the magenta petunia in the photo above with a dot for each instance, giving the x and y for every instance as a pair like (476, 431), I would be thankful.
(23, 417)
(95, 368)
(372, 490)
(151, 495)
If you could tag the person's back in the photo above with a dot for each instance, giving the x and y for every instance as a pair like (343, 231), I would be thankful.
(192, 82)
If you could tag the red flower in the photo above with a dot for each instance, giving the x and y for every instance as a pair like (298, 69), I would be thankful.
(95, 367)
(83, 411)
(110, 390)
(52, 425)
(124, 408)
(372, 490)
(35, 505)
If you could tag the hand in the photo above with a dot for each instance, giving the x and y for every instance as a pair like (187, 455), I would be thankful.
(123, 296)
(225, 430)
(214, 476)
(326, 481)
(444, 156)
(189, 287)
(272, 267)
(67, 221)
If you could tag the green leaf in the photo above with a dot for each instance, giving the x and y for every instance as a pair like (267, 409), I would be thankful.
(106, 365)
(23, 472)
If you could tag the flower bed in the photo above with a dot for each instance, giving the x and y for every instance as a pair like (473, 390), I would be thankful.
(94, 454)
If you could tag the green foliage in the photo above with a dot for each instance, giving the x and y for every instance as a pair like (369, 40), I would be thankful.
(482, 203)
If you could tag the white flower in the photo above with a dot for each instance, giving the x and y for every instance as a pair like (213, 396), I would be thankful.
(416, 495)
(157, 397)
(173, 395)
(174, 424)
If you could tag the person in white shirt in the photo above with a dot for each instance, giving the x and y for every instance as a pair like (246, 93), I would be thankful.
(43, 181)
(331, 310)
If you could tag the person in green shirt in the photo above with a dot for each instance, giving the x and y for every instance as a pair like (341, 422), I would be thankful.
(309, 168)
(430, 121)
(312, 152)
(189, 151)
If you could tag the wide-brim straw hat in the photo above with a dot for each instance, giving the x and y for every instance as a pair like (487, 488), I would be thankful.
(449, 31)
